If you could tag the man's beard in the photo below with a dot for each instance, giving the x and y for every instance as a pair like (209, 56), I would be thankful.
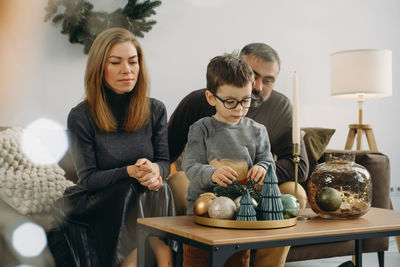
(259, 98)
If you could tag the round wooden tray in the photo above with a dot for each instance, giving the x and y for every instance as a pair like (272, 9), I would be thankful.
(245, 224)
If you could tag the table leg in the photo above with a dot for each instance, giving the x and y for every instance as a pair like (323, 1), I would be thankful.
(218, 255)
(381, 258)
(179, 254)
(358, 252)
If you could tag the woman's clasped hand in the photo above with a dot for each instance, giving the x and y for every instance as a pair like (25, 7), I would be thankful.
(147, 173)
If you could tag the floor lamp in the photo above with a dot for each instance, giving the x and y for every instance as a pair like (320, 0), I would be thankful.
(361, 74)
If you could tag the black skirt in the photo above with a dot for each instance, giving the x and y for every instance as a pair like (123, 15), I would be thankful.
(94, 229)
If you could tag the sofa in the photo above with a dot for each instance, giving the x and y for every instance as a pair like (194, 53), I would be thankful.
(377, 164)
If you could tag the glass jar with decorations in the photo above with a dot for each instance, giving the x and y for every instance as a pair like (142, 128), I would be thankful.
(339, 188)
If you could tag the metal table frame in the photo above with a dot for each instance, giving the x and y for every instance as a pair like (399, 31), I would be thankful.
(220, 253)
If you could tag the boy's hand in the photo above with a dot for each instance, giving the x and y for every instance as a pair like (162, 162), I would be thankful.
(257, 173)
(224, 176)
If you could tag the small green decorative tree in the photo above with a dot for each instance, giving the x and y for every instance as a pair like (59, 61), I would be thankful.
(83, 25)
(270, 206)
(246, 211)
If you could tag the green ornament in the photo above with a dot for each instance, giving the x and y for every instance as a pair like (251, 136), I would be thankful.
(328, 199)
(291, 206)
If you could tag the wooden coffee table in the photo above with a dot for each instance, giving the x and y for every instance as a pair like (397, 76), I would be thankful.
(222, 243)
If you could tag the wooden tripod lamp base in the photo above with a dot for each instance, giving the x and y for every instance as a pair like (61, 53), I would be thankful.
(357, 130)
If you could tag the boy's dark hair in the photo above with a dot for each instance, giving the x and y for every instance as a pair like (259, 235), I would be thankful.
(228, 69)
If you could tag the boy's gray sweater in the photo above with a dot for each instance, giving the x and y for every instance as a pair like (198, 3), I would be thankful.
(211, 139)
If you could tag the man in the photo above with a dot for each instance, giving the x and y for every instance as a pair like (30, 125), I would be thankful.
(271, 108)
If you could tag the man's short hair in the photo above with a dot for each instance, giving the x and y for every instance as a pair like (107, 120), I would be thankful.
(228, 69)
(263, 51)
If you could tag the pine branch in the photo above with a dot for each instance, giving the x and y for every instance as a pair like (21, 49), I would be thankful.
(235, 190)
(83, 25)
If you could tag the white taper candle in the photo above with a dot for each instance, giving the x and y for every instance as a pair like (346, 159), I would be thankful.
(295, 125)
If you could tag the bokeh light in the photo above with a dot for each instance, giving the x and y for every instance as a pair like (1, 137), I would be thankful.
(44, 142)
(29, 239)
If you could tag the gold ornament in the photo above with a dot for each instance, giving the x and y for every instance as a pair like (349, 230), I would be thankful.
(202, 203)
(237, 202)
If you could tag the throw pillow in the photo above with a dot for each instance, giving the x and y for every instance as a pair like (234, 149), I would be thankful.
(316, 139)
(27, 187)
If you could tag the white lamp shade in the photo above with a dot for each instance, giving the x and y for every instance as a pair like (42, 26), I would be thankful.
(363, 73)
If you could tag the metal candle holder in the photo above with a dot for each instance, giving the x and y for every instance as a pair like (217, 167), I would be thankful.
(296, 161)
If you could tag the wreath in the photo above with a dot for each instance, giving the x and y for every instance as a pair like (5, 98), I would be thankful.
(83, 25)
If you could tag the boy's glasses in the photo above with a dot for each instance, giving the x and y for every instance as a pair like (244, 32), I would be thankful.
(232, 103)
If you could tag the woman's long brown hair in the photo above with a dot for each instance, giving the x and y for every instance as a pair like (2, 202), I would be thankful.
(139, 108)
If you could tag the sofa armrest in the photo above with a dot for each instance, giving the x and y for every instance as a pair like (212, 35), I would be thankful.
(378, 165)
(67, 164)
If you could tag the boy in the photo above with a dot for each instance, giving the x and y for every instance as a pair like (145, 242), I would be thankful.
(228, 136)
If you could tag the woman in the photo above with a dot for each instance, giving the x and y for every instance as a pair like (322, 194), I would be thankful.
(120, 150)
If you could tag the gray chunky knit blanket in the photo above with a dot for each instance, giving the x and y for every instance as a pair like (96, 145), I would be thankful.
(28, 187)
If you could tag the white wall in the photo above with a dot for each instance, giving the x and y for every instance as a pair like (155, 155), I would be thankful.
(187, 36)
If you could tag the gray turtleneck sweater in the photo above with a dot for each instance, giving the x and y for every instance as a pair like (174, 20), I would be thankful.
(101, 158)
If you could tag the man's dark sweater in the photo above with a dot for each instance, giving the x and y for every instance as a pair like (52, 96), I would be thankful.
(101, 158)
(275, 114)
